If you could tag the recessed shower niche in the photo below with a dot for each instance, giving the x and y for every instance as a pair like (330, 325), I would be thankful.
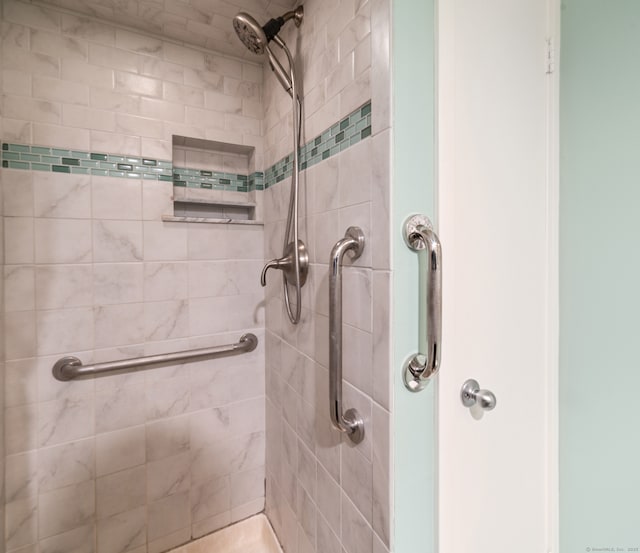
(215, 182)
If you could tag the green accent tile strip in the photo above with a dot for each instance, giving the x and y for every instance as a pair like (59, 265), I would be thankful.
(338, 137)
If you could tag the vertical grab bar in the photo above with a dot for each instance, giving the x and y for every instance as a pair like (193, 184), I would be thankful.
(420, 237)
(350, 423)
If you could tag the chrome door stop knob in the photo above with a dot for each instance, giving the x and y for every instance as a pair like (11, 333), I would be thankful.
(470, 394)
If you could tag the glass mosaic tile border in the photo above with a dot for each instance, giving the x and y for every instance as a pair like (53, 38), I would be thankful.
(79, 162)
(214, 180)
(348, 131)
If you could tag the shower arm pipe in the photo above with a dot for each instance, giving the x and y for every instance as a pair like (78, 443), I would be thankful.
(292, 218)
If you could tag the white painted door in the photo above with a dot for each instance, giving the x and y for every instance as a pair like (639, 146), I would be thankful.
(494, 225)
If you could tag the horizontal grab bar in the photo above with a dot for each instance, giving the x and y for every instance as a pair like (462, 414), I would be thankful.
(71, 367)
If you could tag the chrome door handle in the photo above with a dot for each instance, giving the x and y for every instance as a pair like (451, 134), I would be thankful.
(471, 394)
(420, 237)
(350, 423)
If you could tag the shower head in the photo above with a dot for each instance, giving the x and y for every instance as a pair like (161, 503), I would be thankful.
(255, 37)
(250, 33)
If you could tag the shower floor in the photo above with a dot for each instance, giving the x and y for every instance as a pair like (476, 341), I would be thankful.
(253, 535)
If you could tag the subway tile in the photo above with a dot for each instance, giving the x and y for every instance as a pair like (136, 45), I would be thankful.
(113, 58)
(16, 83)
(30, 62)
(43, 42)
(59, 135)
(87, 28)
(56, 90)
(32, 109)
(130, 83)
(140, 44)
(31, 15)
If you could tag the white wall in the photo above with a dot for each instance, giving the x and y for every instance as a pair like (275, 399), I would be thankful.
(495, 194)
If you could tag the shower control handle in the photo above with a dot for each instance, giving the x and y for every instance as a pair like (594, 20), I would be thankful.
(471, 394)
(287, 264)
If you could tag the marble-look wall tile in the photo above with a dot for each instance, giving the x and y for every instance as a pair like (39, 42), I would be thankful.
(21, 522)
(66, 464)
(18, 240)
(168, 476)
(167, 437)
(117, 283)
(20, 428)
(166, 320)
(211, 498)
(119, 324)
(21, 476)
(20, 382)
(123, 532)
(165, 281)
(168, 515)
(59, 286)
(120, 450)
(64, 420)
(19, 334)
(123, 409)
(61, 196)
(115, 464)
(19, 288)
(121, 491)
(67, 508)
(116, 198)
(17, 192)
(117, 241)
(64, 330)
(62, 241)
(79, 540)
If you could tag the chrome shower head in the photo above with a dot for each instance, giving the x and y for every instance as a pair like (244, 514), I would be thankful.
(250, 33)
(255, 37)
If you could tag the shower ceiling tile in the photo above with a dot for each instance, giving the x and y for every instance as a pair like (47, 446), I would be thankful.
(204, 23)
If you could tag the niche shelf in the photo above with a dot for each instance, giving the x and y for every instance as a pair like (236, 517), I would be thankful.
(215, 182)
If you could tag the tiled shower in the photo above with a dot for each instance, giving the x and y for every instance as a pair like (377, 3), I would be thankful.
(145, 182)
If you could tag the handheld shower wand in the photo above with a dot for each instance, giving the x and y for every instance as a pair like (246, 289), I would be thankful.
(294, 262)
